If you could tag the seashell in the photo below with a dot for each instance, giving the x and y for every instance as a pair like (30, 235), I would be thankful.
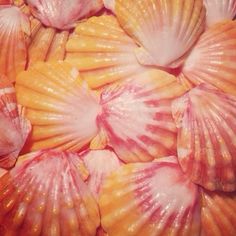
(213, 58)
(164, 29)
(5, 2)
(63, 14)
(46, 44)
(14, 26)
(218, 213)
(218, 10)
(99, 163)
(136, 116)
(102, 51)
(45, 195)
(14, 129)
(109, 4)
(136, 200)
(61, 108)
(206, 121)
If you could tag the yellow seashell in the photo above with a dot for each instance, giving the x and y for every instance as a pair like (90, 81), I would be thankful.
(102, 51)
(165, 30)
(60, 106)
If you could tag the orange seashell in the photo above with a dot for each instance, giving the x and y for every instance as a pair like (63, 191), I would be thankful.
(61, 107)
(136, 116)
(46, 44)
(218, 213)
(164, 29)
(136, 200)
(217, 11)
(63, 14)
(14, 129)
(45, 195)
(213, 59)
(102, 51)
(14, 26)
(99, 163)
(206, 121)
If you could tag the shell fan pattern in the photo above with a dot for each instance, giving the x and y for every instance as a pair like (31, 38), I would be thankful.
(117, 118)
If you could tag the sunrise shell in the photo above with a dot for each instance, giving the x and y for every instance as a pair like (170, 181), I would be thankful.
(219, 10)
(14, 26)
(63, 14)
(213, 59)
(46, 44)
(218, 213)
(164, 29)
(102, 51)
(45, 195)
(99, 163)
(136, 116)
(61, 107)
(14, 129)
(150, 199)
(206, 145)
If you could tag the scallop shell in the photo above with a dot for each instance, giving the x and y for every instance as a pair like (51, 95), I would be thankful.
(218, 213)
(45, 195)
(136, 116)
(46, 44)
(99, 163)
(213, 59)
(206, 121)
(164, 29)
(63, 14)
(102, 51)
(61, 107)
(14, 129)
(218, 10)
(136, 200)
(14, 26)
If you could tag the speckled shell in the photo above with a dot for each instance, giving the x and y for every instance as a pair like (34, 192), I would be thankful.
(136, 116)
(61, 107)
(14, 26)
(218, 213)
(219, 10)
(164, 29)
(102, 51)
(45, 195)
(206, 121)
(150, 199)
(99, 163)
(14, 129)
(213, 59)
(46, 44)
(63, 14)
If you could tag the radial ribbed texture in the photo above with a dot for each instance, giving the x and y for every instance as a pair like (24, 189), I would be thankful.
(136, 116)
(150, 199)
(14, 129)
(218, 213)
(102, 51)
(45, 195)
(14, 26)
(206, 121)
(164, 29)
(61, 108)
(213, 59)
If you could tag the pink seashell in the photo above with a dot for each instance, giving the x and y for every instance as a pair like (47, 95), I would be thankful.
(100, 163)
(136, 116)
(14, 26)
(206, 121)
(45, 195)
(14, 129)
(219, 10)
(63, 14)
(150, 199)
